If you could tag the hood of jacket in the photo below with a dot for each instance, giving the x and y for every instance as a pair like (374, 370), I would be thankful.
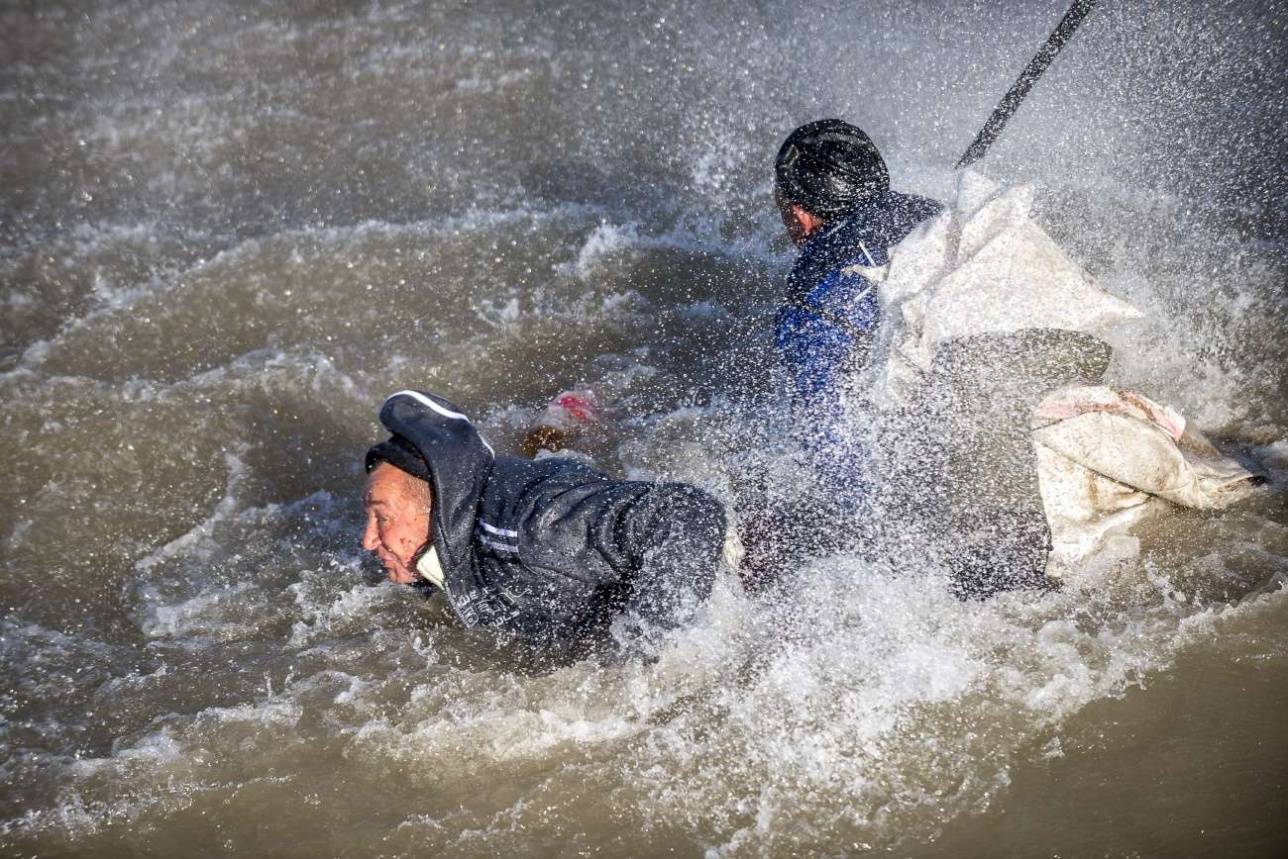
(460, 465)
(868, 231)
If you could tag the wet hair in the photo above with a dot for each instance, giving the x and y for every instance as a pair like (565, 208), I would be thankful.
(400, 453)
(829, 167)
(403, 455)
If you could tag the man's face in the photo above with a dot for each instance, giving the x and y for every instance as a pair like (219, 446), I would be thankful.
(397, 519)
(794, 219)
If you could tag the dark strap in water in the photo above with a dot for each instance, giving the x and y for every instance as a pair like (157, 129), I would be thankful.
(1011, 101)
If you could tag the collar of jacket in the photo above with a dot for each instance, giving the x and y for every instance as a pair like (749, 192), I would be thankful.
(862, 236)
(431, 569)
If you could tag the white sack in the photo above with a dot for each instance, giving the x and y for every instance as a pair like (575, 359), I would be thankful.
(983, 266)
(1105, 457)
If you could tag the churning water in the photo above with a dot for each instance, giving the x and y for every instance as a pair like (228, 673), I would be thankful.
(228, 230)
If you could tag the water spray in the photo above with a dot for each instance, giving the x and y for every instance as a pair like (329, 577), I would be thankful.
(1015, 95)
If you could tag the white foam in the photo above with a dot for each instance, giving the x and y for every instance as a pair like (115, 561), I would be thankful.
(225, 613)
(351, 611)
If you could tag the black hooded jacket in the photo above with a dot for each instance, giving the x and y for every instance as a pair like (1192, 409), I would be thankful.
(548, 550)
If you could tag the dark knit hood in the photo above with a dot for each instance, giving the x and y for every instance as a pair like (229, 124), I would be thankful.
(459, 462)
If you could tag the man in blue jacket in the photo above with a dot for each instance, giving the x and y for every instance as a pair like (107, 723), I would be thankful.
(963, 474)
(547, 550)
(833, 192)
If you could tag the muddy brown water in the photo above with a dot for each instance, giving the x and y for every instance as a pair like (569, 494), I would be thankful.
(228, 230)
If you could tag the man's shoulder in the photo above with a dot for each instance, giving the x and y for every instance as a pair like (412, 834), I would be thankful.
(914, 207)
(554, 510)
(842, 299)
(517, 474)
(520, 488)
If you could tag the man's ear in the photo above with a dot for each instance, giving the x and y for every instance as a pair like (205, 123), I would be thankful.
(801, 223)
(808, 220)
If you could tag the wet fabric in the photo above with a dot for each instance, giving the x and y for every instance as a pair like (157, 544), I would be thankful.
(974, 464)
(1107, 458)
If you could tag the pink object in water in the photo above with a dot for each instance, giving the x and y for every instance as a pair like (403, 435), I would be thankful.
(561, 422)
(580, 405)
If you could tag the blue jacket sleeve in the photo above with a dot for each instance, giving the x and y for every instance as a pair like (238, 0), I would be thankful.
(820, 340)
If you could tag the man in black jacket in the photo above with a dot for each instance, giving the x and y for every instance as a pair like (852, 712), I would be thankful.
(546, 550)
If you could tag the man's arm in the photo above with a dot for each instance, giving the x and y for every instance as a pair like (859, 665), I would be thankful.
(821, 344)
(668, 538)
